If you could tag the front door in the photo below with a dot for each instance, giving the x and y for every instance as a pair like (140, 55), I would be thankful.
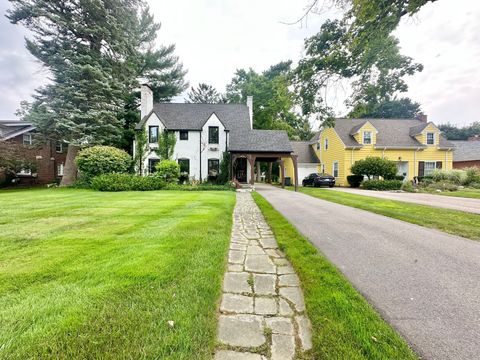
(241, 170)
(402, 169)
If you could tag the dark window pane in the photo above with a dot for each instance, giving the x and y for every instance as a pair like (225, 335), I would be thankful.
(183, 135)
(153, 134)
(184, 165)
(151, 165)
(213, 135)
(213, 167)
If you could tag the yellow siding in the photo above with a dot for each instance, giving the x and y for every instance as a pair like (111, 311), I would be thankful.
(289, 171)
(367, 127)
(422, 137)
(335, 152)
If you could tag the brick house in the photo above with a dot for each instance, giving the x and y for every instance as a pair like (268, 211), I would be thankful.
(49, 158)
(466, 153)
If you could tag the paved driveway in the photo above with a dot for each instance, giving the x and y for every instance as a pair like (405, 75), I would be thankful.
(424, 282)
(447, 202)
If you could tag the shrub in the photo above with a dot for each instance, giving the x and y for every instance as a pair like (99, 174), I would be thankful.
(472, 176)
(168, 170)
(354, 180)
(127, 182)
(98, 160)
(375, 166)
(382, 184)
(455, 176)
(408, 186)
(443, 186)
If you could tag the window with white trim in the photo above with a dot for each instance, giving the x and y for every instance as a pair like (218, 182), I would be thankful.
(326, 144)
(25, 172)
(430, 138)
(59, 147)
(367, 137)
(60, 169)
(430, 166)
(27, 139)
(335, 169)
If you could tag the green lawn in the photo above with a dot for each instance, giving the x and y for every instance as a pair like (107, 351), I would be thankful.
(466, 193)
(451, 221)
(344, 325)
(90, 275)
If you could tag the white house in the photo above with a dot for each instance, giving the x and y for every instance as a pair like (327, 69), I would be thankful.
(204, 132)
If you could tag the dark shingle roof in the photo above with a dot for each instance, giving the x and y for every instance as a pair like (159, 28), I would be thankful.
(176, 116)
(12, 128)
(391, 132)
(466, 150)
(304, 151)
(260, 141)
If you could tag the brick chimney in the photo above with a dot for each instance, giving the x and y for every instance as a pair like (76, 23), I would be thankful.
(474, 138)
(250, 110)
(146, 101)
(422, 117)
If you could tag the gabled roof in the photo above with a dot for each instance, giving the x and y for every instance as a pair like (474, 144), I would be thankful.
(179, 116)
(394, 133)
(12, 128)
(304, 151)
(260, 141)
(466, 150)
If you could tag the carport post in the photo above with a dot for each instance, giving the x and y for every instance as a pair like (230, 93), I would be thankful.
(295, 170)
(282, 173)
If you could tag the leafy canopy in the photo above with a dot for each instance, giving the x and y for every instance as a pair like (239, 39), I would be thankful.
(205, 94)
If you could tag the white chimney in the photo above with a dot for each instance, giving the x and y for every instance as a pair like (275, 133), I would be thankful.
(250, 110)
(146, 104)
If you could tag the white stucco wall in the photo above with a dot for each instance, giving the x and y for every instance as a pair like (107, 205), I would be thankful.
(195, 147)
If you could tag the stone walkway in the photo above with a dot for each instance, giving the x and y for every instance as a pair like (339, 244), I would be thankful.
(262, 313)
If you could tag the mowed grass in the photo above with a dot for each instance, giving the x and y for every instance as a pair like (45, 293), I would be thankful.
(344, 325)
(466, 193)
(451, 221)
(90, 275)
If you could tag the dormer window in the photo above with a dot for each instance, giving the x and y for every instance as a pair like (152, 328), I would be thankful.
(430, 138)
(367, 137)
(326, 144)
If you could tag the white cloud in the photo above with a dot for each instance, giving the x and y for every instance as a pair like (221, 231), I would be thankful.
(216, 37)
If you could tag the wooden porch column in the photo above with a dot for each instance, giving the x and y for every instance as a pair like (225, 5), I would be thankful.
(295, 170)
(251, 161)
(269, 174)
(259, 175)
(282, 173)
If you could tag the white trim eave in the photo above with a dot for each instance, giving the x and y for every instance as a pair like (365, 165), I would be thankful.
(18, 132)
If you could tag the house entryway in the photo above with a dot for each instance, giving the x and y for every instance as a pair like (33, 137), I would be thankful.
(240, 170)
(402, 169)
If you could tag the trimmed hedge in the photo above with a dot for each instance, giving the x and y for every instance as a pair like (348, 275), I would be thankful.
(98, 160)
(382, 184)
(127, 182)
(354, 180)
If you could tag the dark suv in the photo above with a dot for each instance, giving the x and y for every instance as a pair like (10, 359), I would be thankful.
(319, 180)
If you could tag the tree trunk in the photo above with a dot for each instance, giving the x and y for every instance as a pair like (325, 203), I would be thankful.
(259, 172)
(70, 168)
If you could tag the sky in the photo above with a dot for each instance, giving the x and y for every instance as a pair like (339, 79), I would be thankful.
(213, 38)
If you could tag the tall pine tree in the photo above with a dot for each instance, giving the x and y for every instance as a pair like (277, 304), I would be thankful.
(95, 52)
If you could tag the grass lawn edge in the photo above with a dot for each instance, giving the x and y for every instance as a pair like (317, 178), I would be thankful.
(344, 324)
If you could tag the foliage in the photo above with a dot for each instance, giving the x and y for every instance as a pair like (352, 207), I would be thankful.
(98, 160)
(403, 108)
(455, 176)
(342, 320)
(127, 182)
(200, 187)
(12, 161)
(205, 94)
(224, 175)
(113, 269)
(472, 175)
(407, 186)
(168, 170)
(166, 144)
(274, 100)
(382, 185)
(354, 180)
(375, 166)
(360, 49)
(452, 132)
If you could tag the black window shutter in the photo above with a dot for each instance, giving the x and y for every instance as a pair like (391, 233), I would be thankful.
(438, 165)
(421, 168)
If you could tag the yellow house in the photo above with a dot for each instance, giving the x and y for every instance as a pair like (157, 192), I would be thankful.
(417, 146)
